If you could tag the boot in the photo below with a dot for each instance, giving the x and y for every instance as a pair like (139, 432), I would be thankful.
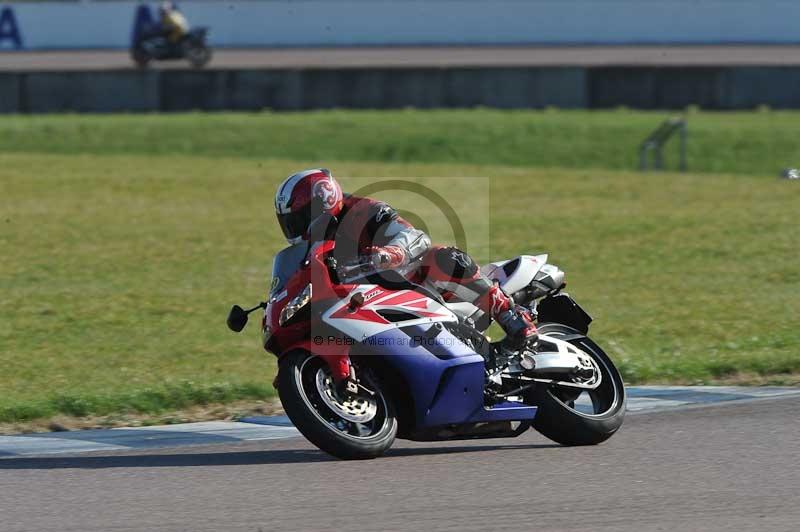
(515, 321)
(519, 328)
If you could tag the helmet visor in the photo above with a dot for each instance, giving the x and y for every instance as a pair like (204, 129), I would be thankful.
(295, 224)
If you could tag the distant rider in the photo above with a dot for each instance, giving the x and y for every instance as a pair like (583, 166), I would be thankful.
(372, 229)
(172, 23)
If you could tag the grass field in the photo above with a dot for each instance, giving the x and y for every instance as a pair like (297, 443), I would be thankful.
(117, 269)
(748, 143)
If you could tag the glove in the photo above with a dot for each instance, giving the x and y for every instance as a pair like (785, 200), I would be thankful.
(387, 257)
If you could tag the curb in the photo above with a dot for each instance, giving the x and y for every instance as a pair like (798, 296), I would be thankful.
(640, 399)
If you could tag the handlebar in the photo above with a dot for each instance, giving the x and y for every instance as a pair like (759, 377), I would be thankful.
(358, 268)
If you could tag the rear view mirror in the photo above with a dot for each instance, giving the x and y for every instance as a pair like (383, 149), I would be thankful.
(237, 318)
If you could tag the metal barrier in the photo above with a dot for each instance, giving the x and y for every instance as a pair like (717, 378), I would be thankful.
(655, 143)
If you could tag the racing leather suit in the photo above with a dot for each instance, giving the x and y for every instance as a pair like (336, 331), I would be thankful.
(370, 227)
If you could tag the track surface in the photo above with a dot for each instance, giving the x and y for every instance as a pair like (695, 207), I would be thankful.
(727, 467)
(427, 57)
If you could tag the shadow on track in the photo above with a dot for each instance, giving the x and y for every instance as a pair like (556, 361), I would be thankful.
(278, 456)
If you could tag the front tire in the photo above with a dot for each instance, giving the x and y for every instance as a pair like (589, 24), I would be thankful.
(140, 57)
(352, 430)
(559, 419)
(198, 55)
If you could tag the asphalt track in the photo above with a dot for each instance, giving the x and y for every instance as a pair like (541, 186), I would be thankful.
(732, 466)
(398, 57)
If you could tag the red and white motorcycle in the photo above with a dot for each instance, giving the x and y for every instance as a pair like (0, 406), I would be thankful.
(425, 369)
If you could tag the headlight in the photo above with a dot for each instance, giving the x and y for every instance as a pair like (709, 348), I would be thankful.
(293, 306)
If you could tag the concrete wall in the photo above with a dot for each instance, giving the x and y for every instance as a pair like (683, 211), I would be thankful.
(254, 23)
(183, 90)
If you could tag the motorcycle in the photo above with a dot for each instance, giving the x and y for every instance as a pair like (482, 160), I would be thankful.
(424, 367)
(192, 46)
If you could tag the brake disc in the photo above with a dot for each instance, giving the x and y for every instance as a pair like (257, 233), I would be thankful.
(356, 408)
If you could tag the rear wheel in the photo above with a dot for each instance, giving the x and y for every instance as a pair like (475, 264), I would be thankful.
(356, 428)
(572, 416)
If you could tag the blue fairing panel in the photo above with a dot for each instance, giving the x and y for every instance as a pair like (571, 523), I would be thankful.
(445, 376)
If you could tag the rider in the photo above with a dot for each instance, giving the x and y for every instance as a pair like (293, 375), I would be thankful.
(173, 24)
(372, 229)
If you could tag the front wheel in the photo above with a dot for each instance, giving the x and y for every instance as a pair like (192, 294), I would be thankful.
(571, 416)
(140, 57)
(357, 428)
(198, 55)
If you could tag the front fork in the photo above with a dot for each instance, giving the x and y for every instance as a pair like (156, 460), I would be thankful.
(337, 357)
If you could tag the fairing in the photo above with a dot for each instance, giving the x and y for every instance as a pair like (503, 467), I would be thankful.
(381, 311)
(403, 329)
(445, 376)
(515, 274)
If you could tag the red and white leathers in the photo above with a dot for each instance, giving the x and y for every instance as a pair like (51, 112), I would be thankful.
(372, 228)
(367, 227)
(458, 277)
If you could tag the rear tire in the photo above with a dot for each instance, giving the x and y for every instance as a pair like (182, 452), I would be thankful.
(558, 420)
(324, 427)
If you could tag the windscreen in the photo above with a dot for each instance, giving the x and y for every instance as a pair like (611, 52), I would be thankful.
(287, 261)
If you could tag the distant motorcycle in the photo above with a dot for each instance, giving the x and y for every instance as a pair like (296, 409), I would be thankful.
(192, 47)
(425, 369)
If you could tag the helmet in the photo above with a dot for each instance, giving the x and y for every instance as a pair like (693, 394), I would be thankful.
(304, 196)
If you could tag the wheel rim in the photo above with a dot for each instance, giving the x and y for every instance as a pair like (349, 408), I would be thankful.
(197, 55)
(357, 409)
(360, 418)
(604, 399)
